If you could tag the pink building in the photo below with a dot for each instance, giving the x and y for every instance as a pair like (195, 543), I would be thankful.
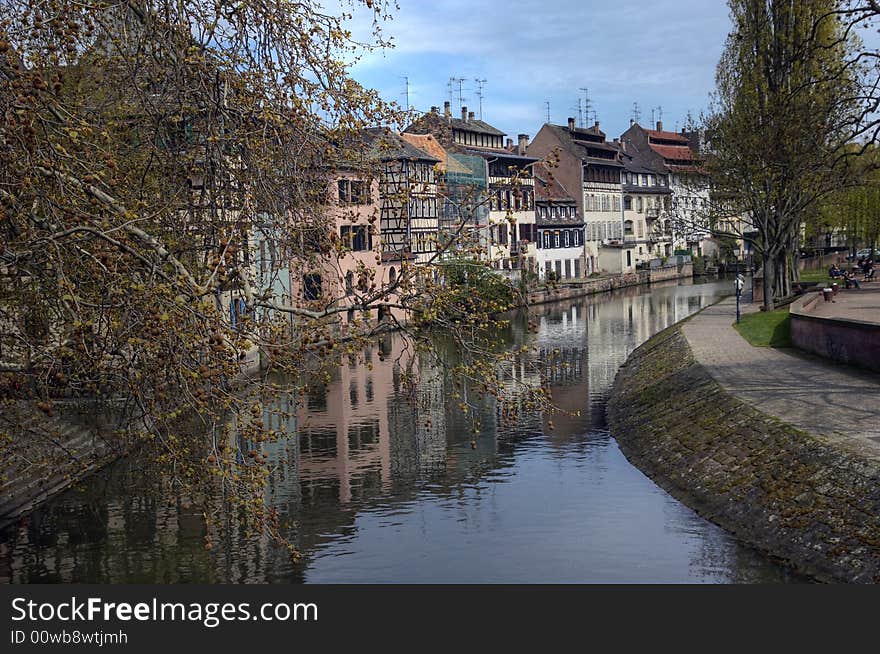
(383, 218)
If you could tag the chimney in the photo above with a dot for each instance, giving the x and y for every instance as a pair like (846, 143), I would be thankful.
(464, 114)
(659, 125)
(435, 110)
(446, 110)
(470, 115)
(571, 124)
(523, 144)
(509, 144)
(632, 122)
(596, 126)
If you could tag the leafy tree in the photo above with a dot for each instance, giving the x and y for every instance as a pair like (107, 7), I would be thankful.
(150, 149)
(786, 111)
(854, 210)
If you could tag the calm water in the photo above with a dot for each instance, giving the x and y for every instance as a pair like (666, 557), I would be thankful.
(376, 496)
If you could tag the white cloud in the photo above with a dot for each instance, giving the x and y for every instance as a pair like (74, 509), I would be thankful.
(656, 52)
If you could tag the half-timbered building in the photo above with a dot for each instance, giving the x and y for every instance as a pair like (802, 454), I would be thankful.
(583, 160)
(676, 155)
(559, 229)
(508, 233)
(647, 199)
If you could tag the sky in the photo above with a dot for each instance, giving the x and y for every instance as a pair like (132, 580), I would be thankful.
(657, 53)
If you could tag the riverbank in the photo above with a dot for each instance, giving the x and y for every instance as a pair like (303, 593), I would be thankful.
(591, 286)
(701, 417)
(370, 493)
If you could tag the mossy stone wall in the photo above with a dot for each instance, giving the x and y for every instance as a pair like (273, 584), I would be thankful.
(796, 496)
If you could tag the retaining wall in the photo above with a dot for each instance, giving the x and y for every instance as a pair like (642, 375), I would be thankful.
(800, 498)
(603, 284)
(853, 342)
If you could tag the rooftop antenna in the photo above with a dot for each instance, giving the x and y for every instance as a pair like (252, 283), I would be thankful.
(405, 93)
(660, 113)
(580, 111)
(453, 81)
(637, 112)
(587, 105)
(653, 110)
(480, 93)
(547, 104)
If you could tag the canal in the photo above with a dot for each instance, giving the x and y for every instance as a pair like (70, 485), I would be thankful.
(378, 485)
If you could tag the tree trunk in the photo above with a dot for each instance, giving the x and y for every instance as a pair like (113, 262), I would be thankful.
(768, 265)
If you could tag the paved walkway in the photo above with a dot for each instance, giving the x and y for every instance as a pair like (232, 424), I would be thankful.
(853, 304)
(807, 392)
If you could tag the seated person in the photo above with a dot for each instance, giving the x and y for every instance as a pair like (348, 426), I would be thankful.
(869, 273)
(834, 271)
(850, 281)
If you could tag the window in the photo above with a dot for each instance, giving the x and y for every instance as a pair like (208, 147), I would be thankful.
(312, 287)
(639, 205)
(547, 240)
(627, 203)
(357, 238)
(576, 238)
(353, 191)
(565, 238)
(628, 227)
(556, 239)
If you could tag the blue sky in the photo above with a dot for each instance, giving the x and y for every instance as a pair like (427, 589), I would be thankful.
(659, 53)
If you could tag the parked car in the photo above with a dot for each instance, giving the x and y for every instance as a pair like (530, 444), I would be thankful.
(861, 254)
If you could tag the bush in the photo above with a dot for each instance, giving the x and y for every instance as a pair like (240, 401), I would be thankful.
(477, 291)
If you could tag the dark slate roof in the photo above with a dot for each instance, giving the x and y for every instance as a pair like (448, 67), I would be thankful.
(475, 125)
(581, 149)
(549, 190)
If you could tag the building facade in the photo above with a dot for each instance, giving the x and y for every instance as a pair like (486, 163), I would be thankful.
(506, 232)
(582, 160)
(559, 229)
(677, 155)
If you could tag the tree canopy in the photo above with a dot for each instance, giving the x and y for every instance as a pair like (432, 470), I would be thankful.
(146, 146)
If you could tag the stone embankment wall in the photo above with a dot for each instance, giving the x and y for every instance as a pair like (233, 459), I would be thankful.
(799, 498)
(853, 342)
(603, 284)
(42, 455)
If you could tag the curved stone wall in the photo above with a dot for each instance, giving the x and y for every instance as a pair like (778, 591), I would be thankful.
(802, 499)
(853, 342)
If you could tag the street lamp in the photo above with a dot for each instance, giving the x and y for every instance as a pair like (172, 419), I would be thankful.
(738, 284)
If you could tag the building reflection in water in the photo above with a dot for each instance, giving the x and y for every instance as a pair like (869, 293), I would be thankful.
(368, 443)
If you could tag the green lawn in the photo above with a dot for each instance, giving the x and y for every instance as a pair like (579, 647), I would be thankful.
(766, 328)
(814, 276)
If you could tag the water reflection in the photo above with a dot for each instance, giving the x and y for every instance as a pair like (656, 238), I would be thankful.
(378, 484)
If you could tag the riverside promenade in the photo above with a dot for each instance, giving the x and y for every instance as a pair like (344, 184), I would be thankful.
(809, 393)
(778, 447)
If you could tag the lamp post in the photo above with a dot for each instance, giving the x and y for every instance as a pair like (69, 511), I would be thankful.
(738, 283)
